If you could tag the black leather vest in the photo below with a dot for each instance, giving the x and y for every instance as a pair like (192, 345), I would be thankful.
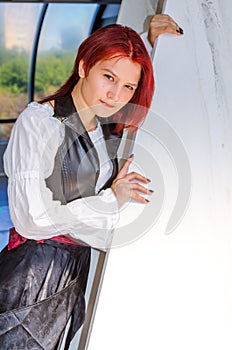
(76, 167)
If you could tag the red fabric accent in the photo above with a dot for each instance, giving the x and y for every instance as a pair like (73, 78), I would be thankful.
(15, 239)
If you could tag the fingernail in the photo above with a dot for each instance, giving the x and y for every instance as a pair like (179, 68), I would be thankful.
(147, 201)
(131, 156)
(180, 30)
(151, 191)
(148, 180)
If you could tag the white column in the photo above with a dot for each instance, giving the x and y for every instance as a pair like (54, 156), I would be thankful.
(173, 291)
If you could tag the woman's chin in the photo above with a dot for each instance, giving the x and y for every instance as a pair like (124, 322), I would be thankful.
(105, 111)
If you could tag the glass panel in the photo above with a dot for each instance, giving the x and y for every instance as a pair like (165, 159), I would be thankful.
(17, 29)
(110, 15)
(59, 42)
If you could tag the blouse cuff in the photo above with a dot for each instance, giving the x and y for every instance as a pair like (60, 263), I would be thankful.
(99, 215)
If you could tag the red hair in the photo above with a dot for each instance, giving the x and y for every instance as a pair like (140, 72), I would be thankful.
(108, 42)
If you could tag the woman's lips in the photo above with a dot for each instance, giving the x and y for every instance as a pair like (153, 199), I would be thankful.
(107, 104)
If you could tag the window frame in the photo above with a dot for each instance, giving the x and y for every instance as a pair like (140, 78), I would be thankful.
(32, 64)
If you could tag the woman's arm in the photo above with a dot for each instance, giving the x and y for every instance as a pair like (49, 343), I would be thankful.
(28, 161)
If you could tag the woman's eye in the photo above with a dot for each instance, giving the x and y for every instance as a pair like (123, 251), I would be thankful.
(130, 87)
(109, 77)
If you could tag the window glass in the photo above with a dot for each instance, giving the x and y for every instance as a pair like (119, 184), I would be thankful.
(17, 29)
(110, 14)
(65, 27)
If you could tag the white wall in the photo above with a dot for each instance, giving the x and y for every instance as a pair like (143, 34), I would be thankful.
(133, 13)
(173, 291)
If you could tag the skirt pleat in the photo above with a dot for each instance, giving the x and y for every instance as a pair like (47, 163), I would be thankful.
(41, 285)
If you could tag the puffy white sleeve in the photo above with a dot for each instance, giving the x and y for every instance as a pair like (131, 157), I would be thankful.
(28, 161)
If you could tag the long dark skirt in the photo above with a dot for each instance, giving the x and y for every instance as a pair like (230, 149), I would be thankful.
(41, 286)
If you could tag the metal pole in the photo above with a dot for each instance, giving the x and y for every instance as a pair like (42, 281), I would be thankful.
(160, 6)
(31, 82)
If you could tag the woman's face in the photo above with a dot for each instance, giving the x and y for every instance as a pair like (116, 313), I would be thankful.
(109, 85)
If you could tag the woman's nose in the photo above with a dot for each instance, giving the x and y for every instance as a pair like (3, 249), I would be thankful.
(114, 93)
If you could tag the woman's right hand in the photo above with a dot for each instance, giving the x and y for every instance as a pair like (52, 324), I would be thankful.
(161, 24)
(125, 185)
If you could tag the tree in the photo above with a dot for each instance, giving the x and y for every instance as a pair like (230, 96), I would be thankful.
(51, 71)
(14, 75)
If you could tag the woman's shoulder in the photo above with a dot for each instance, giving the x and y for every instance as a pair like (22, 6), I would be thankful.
(42, 109)
(38, 119)
(38, 113)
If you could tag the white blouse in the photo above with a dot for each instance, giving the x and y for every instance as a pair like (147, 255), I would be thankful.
(29, 160)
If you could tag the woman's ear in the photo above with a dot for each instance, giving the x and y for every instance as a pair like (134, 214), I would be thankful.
(81, 70)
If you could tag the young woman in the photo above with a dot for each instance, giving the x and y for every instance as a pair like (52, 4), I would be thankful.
(65, 189)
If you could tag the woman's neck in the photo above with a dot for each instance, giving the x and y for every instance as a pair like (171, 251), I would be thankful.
(86, 114)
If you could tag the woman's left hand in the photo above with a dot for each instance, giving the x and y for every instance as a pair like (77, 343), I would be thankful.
(126, 185)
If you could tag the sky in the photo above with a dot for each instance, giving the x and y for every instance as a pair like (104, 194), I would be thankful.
(65, 25)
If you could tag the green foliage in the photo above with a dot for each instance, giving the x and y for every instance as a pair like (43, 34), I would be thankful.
(52, 70)
(14, 74)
